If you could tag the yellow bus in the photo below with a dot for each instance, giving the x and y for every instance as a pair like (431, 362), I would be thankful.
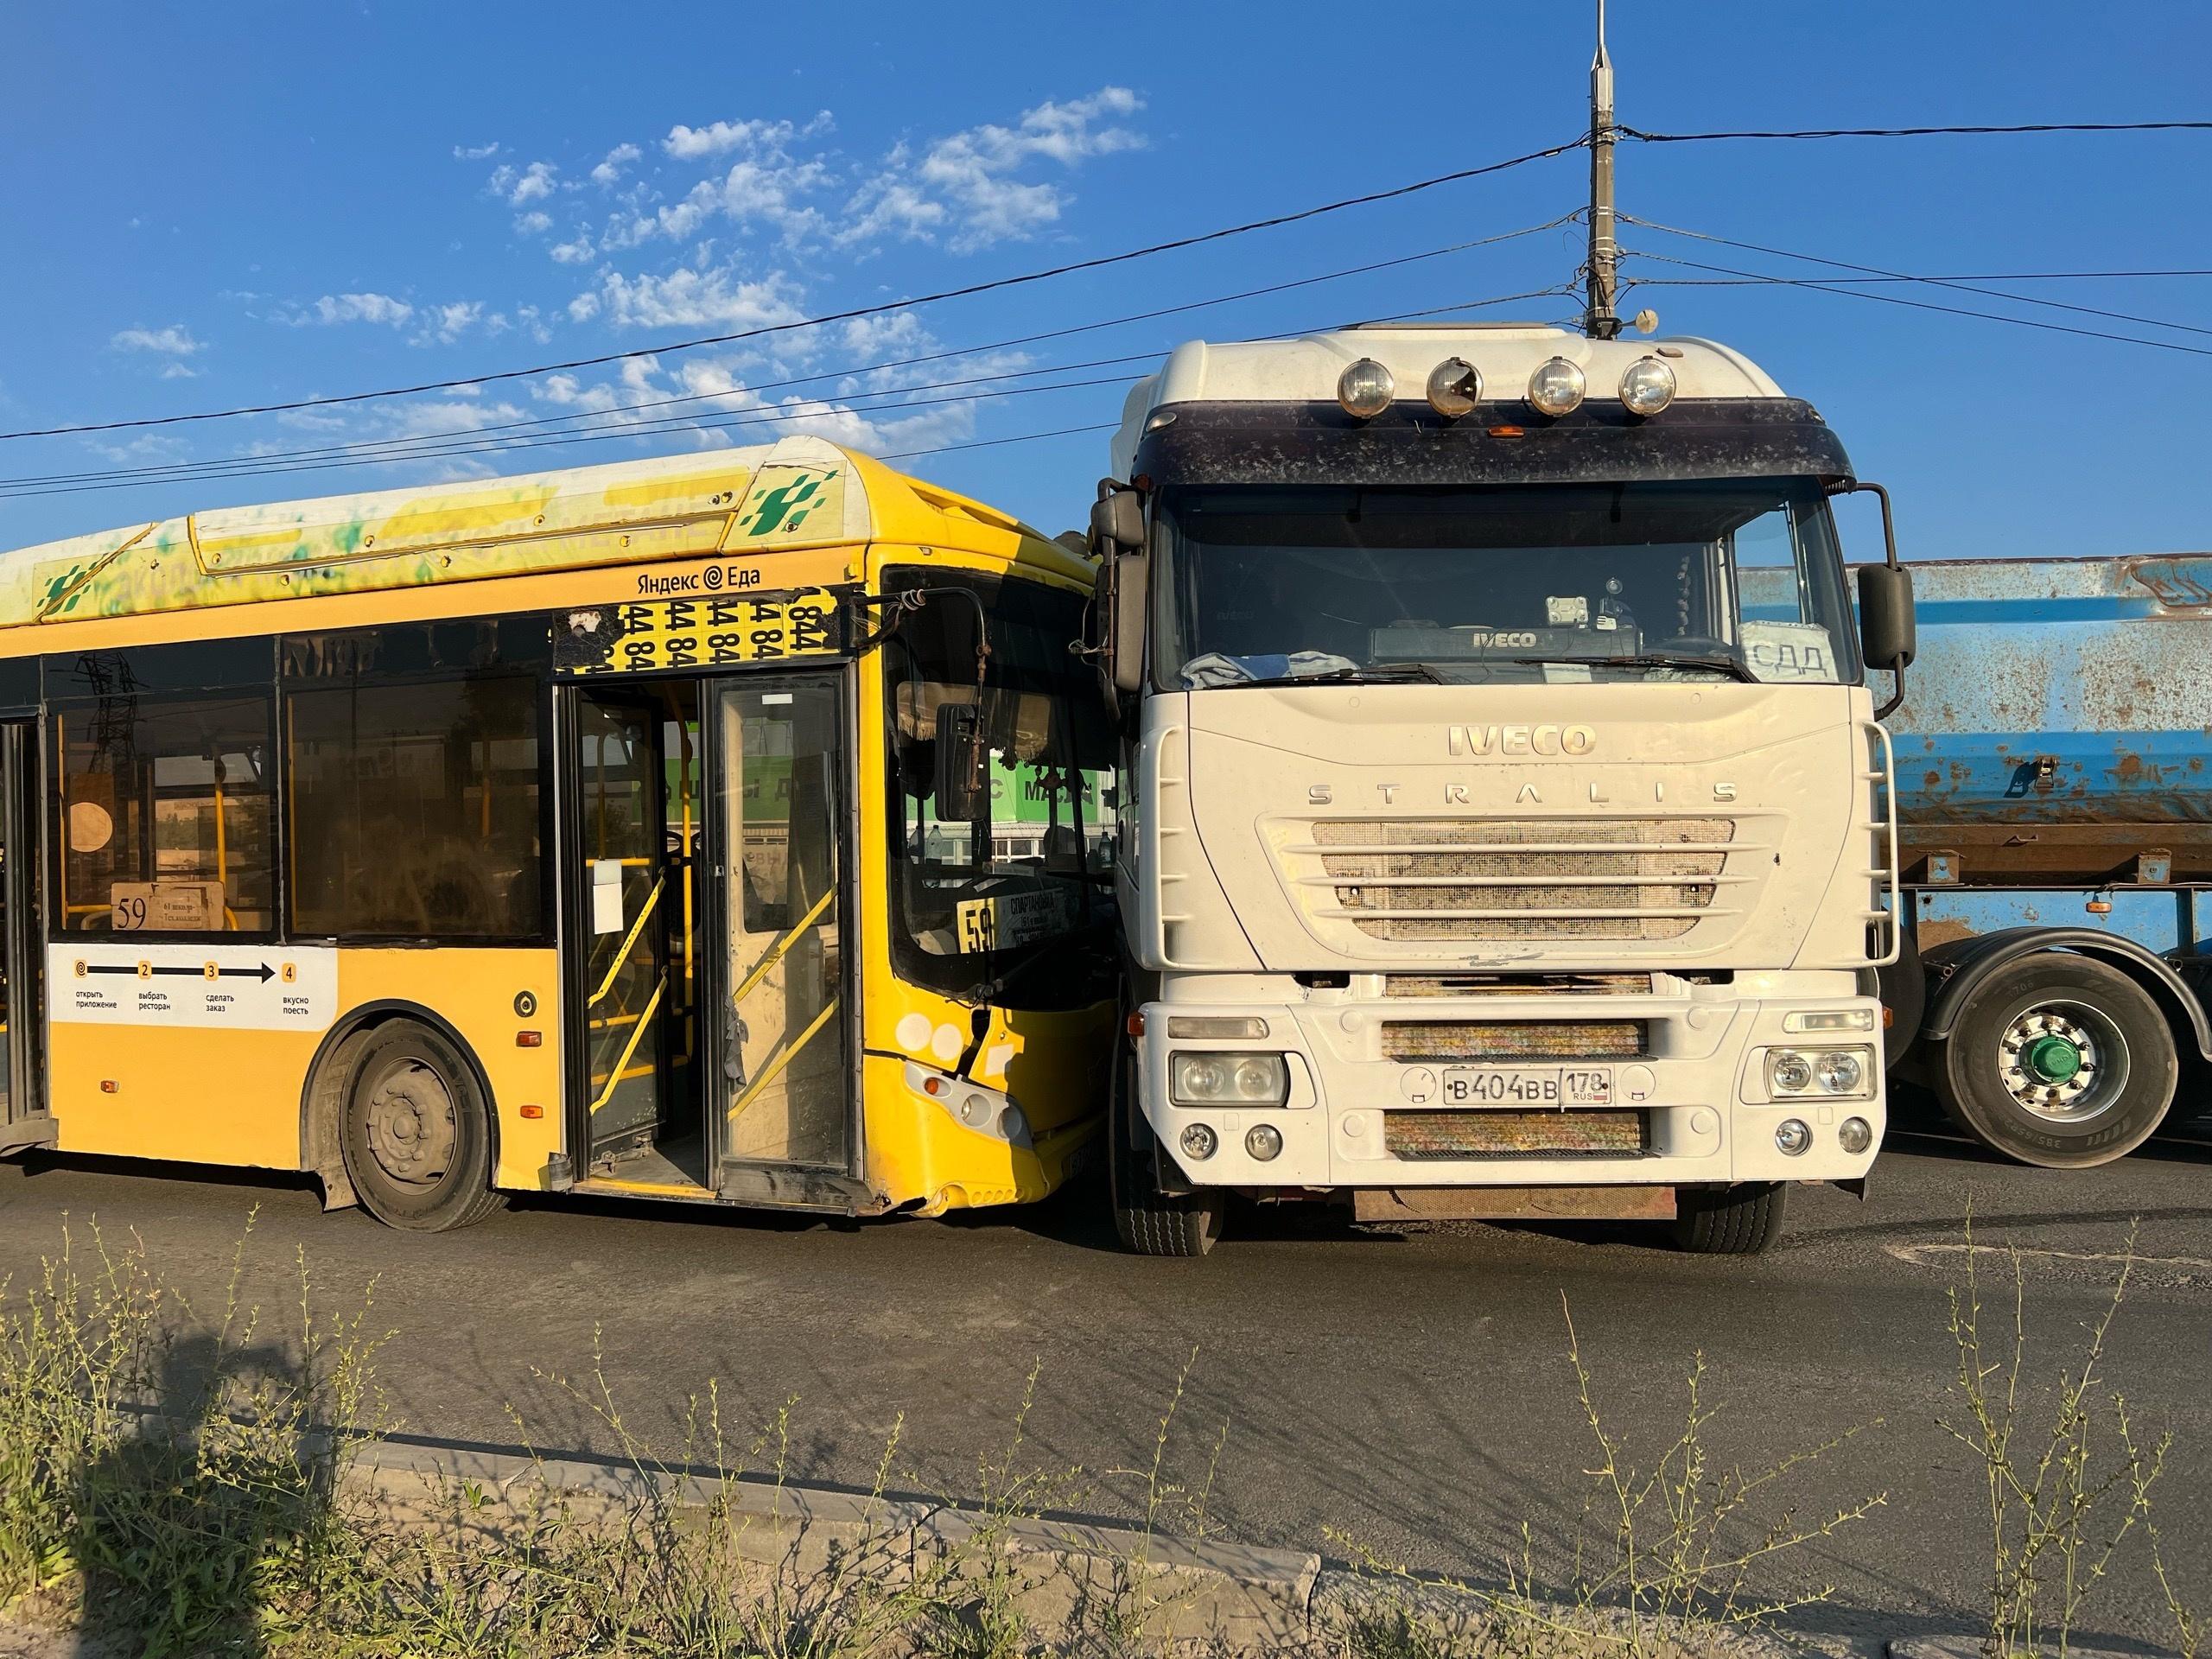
(732, 827)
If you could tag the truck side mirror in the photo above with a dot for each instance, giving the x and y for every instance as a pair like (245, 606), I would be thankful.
(1117, 522)
(1886, 634)
(1118, 536)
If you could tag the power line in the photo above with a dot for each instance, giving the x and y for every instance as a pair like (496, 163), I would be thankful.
(993, 443)
(462, 446)
(1917, 305)
(398, 448)
(966, 291)
(447, 445)
(1920, 132)
(1952, 277)
(604, 421)
(1879, 274)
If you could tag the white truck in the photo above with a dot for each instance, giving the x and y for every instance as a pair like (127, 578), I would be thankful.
(1481, 854)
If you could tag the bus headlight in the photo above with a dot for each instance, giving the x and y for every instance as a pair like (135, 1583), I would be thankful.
(1843, 1073)
(1791, 1137)
(1365, 388)
(1264, 1142)
(1557, 386)
(1855, 1135)
(1647, 387)
(1228, 1079)
(1198, 1142)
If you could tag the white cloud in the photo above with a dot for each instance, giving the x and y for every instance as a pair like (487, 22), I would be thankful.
(448, 323)
(475, 152)
(179, 372)
(574, 252)
(689, 298)
(351, 308)
(174, 341)
(533, 223)
(617, 158)
(584, 307)
(696, 144)
(969, 177)
(534, 183)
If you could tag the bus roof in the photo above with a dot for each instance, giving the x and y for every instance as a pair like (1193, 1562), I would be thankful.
(799, 492)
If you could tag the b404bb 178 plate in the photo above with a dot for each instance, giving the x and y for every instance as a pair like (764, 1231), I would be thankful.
(1525, 1086)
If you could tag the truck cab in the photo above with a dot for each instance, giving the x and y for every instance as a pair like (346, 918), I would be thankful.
(1483, 853)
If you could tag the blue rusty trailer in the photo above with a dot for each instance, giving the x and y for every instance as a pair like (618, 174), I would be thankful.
(2054, 812)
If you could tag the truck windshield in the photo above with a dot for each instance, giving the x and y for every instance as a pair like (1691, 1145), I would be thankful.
(1739, 579)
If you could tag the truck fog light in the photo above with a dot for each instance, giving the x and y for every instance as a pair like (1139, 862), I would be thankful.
(1199, 1143)
(975, 1111)
(1556, 387)
(1365, 388)
(1855, 1135)
(1789, 1072)
(1213, 1079)
(1840, 1071)
(1012, 1124)
(1455, 386)
(1792, 1136)
(1647, 387)
(1264, 1141)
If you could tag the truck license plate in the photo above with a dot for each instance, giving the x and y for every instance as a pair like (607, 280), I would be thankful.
(1558, 1086)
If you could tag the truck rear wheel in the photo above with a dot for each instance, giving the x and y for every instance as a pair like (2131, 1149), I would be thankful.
(1150, 1221)
(2058, 1060)
(1738, 1220)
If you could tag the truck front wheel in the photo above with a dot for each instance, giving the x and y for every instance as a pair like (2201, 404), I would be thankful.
(1150, 1221)
(2058, 1060)
(1738, 1220)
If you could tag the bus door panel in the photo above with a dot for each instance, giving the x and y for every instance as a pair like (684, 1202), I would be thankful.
(23, 1118)
(785, 1090)
(620, 846)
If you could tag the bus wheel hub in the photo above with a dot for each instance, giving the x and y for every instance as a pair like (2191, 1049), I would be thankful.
(411, 1124)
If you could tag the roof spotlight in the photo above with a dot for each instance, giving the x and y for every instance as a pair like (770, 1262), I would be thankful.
(1647, 387)
(1455, 386)
(1557, 386)
(1365, 388)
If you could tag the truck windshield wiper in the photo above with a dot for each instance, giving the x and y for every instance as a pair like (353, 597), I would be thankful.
(1380, 673)
(1728, 665)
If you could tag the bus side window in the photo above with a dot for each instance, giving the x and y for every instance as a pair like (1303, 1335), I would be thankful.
(165, 815)
(414, 810)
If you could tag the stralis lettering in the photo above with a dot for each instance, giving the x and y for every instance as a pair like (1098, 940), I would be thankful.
(1522, 739)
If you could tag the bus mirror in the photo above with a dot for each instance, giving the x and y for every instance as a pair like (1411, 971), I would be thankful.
(961, 786)
(1885, 625)
(1117, 523)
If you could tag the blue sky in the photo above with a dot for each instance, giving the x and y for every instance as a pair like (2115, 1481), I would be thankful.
(244, 203)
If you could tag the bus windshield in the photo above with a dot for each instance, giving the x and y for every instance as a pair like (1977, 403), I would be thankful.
(1516, 582)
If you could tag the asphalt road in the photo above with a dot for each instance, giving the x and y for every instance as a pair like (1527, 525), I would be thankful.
(1408, 1391)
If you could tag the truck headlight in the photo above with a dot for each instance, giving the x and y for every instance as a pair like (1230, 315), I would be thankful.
(1844, 1073)
(1228, 1079)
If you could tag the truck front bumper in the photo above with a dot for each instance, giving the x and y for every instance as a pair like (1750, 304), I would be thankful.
(1390, 1092)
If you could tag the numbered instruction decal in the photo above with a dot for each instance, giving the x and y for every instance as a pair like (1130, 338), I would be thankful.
(713, 630)
(207, 987)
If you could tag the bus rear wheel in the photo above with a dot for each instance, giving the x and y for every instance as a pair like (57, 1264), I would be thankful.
(1150, 1221)
(415, 1132)
(2058, 1060)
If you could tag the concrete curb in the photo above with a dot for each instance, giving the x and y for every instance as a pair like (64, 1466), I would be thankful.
(1244, 1597)
(1193, 1593)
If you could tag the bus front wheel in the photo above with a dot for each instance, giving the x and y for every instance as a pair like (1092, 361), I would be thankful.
(415, 1132)
(1150, 1221)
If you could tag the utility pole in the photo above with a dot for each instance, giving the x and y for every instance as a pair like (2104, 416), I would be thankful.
(1601, 320)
